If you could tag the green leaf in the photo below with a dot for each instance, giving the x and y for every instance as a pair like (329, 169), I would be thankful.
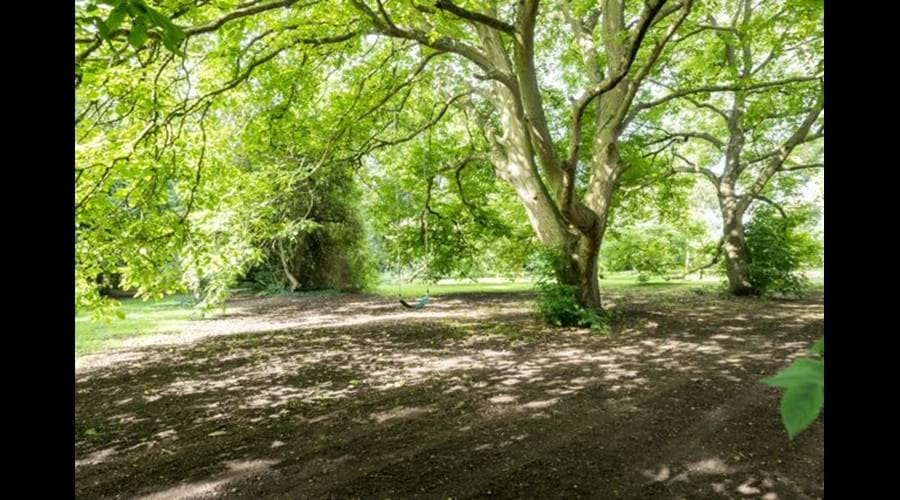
(805, 394)
(116, 17)
(172, 35)
(800, 406)
(170, 28)
(802, 371)
(91, 432)
(101, 28)
(138, 35)
(139, 5)
(172, 44)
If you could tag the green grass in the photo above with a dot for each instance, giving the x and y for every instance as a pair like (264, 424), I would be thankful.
(141, 318)
(627, 282)
(389, 289)
(616, 282)
(169, 315)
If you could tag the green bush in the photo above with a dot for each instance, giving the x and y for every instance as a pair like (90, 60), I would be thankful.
(778, 250)
(556, 301)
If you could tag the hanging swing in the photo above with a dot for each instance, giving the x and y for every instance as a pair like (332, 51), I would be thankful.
(419, 304)
(422, 301)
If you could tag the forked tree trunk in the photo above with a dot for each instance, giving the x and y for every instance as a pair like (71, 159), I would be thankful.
(581, 252)
(514, 157)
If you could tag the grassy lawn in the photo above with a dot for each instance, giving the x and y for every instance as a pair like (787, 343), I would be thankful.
(141, 318)
(446, 287)
(615, 282)
(169, 315)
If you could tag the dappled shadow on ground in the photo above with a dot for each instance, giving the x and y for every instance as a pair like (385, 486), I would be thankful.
(355, 397)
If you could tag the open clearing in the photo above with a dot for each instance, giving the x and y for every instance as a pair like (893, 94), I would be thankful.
(352, 396)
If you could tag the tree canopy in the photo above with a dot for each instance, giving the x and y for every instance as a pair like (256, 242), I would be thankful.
(221, 140)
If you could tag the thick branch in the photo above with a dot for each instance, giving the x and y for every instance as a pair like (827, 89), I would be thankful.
(424, 127)
(606, 85)
(530, 93)
(697, 170)
(691, 135)
(802, 167)
(252, 8)
(661, 44)
(449, 6)
(407, 82)
(771, 202)
(714, 261)
(244, 12)
(384, 24)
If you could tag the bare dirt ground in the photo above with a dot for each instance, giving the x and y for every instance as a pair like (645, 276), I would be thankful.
(355, 397)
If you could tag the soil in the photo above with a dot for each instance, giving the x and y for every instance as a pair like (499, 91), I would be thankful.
(472, 397)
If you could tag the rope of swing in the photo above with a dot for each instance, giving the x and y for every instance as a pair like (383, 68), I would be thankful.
(425, 220)
(424, 227)
(399, 239)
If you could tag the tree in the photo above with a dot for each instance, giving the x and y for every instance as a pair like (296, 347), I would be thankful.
(441, 185)
(173, 183)
(780, 248)
(752, 126)
(517, 116)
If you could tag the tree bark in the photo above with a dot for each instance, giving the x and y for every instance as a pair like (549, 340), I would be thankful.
(294, 282)
(737, 255)
(582, 257)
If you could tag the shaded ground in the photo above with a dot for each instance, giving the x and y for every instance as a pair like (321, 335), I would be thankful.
(354, 397)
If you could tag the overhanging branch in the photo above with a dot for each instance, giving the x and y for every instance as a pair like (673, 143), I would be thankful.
(449, 6)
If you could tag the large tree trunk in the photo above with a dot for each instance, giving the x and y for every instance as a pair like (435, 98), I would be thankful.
(581, 256)
(580, 251)
(514, 157)
(737, 255)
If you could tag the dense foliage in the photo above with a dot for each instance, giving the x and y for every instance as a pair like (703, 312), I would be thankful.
(780, 250)
(305, 145)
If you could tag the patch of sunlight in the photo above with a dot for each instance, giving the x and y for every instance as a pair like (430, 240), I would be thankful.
(399, 412)
(96, 457)
(662, 475)
(710, 466)
(237, 469)
(534, 405)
